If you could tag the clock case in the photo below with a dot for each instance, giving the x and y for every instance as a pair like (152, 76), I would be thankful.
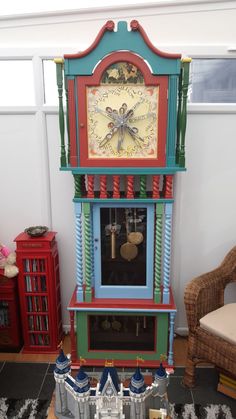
(123, 306)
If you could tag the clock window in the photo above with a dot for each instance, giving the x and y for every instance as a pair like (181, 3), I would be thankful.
(123, 246)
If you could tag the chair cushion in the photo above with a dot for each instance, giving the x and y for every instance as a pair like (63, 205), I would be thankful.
(221, 322)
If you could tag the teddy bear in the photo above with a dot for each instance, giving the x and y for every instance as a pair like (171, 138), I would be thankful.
(7, 261)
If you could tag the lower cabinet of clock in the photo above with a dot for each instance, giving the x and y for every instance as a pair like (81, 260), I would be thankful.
(122, 337)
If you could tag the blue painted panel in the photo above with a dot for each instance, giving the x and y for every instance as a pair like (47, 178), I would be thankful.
(126, 292)
(120, 310)
(121, 170)
(124, 40)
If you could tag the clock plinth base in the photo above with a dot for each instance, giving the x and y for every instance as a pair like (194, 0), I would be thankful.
(122, 329)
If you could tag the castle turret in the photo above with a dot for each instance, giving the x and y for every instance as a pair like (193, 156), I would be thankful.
(137, 389)
(61, 371)
(82, 394)
(161, 381)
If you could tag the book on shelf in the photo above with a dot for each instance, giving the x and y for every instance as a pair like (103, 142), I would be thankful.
(228, 391)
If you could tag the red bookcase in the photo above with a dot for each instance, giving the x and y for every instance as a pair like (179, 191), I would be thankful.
(10, 328)
(39, 292)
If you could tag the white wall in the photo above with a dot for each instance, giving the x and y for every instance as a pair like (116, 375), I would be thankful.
(34, 191)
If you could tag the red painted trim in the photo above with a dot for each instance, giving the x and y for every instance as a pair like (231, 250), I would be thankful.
(135, 26)
(150, 80)
(91, 351)
(122, 363)
(72, 123)
(121, 304)
(72, 336)
(109, 26)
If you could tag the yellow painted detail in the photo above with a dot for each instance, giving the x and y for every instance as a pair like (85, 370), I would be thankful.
(58, 60)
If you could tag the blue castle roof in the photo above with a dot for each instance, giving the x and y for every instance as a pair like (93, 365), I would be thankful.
(82, 383)
(137, 383)
(62, 363)
(114, 376)
(160, 372)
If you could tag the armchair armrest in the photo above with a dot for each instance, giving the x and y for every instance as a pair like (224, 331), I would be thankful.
(206, 292)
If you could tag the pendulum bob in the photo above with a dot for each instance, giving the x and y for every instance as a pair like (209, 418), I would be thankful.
(106, 325)
(128, 251)
(116, 325)
(135, 237)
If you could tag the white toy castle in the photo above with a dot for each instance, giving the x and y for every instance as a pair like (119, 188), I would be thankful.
(109, 399)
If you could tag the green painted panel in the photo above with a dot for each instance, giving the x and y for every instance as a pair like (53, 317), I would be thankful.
(124, 40)
(162, 334)
(82, 333)
(82, 339)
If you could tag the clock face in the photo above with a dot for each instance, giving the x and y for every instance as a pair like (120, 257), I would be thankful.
(122, 121)
(122, 114)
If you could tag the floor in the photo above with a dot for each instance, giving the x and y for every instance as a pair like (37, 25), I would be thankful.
(35, 372)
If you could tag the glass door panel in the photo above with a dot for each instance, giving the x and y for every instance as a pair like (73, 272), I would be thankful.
(123, 250)
(123, 246)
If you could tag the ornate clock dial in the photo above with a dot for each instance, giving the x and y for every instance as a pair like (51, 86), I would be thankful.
(122, 121)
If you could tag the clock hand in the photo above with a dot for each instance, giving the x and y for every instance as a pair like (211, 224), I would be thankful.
(108, 137)
(133, 132)
(109, 115)
(142, 117)
(135, 138)
(130, 112)
(121, 138)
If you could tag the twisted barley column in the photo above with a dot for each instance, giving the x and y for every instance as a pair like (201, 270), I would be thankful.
(92, 248)
(169, 187)
(79, 256)
(103, 186)
(158, 253)
(143, 192)
(78, 188)
(167, 252)
(130, 187)
(87, 245)
(90, 193)
(116, 186)
(155, 186)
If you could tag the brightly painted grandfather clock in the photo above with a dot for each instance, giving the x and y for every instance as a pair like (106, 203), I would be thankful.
(126, 121)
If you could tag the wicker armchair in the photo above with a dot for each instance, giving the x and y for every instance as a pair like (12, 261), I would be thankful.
(203, 295)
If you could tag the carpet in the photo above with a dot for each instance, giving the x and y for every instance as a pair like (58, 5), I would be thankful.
(197, 411)
(23, 408)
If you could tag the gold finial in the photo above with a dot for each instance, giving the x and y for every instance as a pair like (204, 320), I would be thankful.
(139, 359)
(186, 60)
(82, 361)
(109, 363)
(58, 60)
(163, 357)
